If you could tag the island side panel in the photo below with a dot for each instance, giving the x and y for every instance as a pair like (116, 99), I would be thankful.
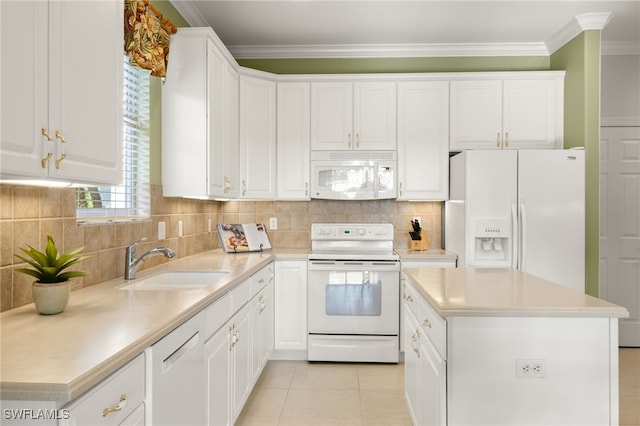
(579, 363)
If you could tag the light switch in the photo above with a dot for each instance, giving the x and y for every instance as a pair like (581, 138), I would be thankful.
(162, 230)
(273, 223)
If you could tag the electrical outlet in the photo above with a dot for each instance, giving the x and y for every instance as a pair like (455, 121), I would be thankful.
(531, 368)
(209, 225)
(273, 223)
(180, 229)
(162, 230)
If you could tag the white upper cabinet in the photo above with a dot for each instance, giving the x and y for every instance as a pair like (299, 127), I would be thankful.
(423, 140)
(293, 140)
(257, 138)
(346, 116)
(200, 118)
(61, 114)
(521, 111)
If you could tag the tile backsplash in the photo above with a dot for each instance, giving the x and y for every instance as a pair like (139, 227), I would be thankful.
(28, 214)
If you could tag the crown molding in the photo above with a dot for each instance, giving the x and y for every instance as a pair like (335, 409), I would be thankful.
(189, 12)
(586, 21)
(388, 50)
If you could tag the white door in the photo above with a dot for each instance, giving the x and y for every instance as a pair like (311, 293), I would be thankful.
(374, 116)
(23, 108)
(85, 99)
(423, 140)
(620, 225)
(476, 115)
(331, 116)
(293, 140)
(529, 114)
(257, 138)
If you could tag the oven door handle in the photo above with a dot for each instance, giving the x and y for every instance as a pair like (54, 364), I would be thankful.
(330, 265)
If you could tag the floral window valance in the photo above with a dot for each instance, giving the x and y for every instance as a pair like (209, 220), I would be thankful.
(146, 36)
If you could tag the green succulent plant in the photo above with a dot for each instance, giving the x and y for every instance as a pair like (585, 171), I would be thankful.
(48, 265)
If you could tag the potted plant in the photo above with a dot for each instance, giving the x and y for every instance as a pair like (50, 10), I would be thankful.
(52, 287)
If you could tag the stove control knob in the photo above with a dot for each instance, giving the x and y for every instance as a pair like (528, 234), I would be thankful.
(361, 231)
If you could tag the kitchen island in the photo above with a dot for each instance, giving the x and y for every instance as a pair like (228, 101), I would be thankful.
(502, 347)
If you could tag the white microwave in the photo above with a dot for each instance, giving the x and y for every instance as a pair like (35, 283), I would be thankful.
(353, 175)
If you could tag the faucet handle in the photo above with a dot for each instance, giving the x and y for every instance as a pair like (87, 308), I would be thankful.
(132, 247)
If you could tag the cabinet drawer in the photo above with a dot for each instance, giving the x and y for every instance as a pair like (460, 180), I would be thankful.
(240, 296)
(411, 297)
(216, 315)
(434, 326)
(112, 400)
(261, 278)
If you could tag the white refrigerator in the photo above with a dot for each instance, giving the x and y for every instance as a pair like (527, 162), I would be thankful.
(519, 209)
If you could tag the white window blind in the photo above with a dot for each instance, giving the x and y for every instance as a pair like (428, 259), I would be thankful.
(131, 199)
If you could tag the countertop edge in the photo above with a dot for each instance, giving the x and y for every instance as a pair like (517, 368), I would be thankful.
(612, 311)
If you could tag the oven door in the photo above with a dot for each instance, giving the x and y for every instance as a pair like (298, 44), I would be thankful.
(353, 297)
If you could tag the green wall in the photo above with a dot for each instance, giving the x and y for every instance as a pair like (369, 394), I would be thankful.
(581, 59)
(396, 65)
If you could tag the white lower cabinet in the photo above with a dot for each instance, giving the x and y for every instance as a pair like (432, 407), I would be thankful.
(262, 323)
(236, 353)
(425, 367)
(117, 400)
(291, 315)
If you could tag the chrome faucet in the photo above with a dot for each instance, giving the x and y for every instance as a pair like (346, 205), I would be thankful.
(132, 264)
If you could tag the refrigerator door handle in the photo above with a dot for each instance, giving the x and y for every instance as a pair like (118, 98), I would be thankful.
(523, 236)
(514, 234)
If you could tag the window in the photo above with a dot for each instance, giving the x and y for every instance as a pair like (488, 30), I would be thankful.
(131, 199)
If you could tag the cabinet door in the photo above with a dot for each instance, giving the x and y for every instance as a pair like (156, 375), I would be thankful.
(54, 101)
(432, 385)
(223, 125)
(293, 141)
(411, 365)
(257, 138)
(331, 116)
(231, 118)
(241, 360)
(291, 306)
(136, 418)
(423, 140)
(374, 116)
(476, 114)
(261, 330)
(218, 378)
(530, 115)
(85, 90)
(185, 103)
(24, 109)
(217, 178)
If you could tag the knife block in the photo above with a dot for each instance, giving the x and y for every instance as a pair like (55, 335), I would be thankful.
(422, 244)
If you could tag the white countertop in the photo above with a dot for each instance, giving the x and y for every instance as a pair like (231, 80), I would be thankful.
(58, 357)
(504, 292)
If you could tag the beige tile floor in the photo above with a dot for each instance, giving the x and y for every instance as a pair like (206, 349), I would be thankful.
(297, 393)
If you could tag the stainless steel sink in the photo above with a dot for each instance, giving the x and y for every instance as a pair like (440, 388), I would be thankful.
(176, 280)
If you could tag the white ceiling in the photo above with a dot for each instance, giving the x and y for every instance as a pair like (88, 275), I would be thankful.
(350, 28)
